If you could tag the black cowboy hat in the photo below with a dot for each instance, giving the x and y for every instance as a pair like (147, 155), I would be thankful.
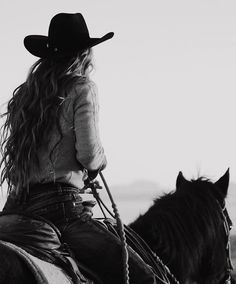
(67, 35)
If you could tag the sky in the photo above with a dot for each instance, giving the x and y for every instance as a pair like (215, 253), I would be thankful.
(166, 81)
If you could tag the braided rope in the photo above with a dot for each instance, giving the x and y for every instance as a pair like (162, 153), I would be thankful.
(163, 269)
(125, 255)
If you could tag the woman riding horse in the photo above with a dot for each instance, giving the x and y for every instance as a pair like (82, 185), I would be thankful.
(51, 145)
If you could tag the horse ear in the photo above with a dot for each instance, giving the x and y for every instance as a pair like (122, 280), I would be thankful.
(223, 183)
(180, 180)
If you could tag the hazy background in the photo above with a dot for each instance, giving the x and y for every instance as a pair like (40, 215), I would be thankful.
(166, 84)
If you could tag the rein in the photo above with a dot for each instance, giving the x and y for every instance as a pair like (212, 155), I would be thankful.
(121, 231)
(227, 223)
(142, 248)
(94, 185)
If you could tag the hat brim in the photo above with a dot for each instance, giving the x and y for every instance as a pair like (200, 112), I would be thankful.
(38, 45)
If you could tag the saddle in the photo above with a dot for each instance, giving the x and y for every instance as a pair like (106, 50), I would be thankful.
(36, 240)
(43, 272)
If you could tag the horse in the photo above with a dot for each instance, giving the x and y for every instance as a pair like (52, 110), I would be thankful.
(189, 230)
(186, 230)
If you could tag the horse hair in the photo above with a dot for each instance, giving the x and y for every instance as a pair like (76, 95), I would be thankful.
(185, 229)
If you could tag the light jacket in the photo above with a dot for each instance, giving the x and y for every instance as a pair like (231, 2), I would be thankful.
(78, 147)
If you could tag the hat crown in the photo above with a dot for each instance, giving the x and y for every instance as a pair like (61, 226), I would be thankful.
(67, 35)
(64, 29)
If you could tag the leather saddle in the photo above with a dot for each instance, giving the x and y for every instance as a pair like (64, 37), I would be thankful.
(41, 239)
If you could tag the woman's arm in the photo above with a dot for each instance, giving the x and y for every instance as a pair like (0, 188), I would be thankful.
(90, 152)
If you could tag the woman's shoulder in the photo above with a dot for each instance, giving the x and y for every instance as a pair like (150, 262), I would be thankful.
(83, 93)
(84, 88)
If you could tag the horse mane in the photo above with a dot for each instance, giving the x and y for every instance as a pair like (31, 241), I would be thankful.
(183, 228)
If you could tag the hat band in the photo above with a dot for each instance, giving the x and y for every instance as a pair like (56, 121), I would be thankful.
(68, 44)
(55, 49)
(67, 49)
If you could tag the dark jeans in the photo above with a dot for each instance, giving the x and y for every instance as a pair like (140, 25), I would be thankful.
(91, 242)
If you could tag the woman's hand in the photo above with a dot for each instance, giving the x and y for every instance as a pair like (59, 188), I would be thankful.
(87, 213)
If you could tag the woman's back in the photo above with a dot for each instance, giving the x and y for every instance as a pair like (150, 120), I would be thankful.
(69, 150)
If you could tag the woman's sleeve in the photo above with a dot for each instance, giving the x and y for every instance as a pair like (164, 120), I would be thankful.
(89, 150)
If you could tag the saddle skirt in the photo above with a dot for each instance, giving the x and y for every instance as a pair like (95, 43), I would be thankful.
(43, 272)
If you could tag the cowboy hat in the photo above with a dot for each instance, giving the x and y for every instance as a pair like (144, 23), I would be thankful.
(67, 35)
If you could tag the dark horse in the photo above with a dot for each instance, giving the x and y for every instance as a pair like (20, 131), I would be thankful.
(187, 228)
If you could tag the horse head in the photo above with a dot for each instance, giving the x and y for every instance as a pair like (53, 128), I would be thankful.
(188, 229)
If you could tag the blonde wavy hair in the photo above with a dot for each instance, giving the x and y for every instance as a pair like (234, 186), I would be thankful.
(32, 111)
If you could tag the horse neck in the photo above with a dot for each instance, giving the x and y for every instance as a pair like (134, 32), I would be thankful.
(181, 237)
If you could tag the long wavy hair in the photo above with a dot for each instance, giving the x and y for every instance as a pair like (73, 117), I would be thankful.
(33, 110)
